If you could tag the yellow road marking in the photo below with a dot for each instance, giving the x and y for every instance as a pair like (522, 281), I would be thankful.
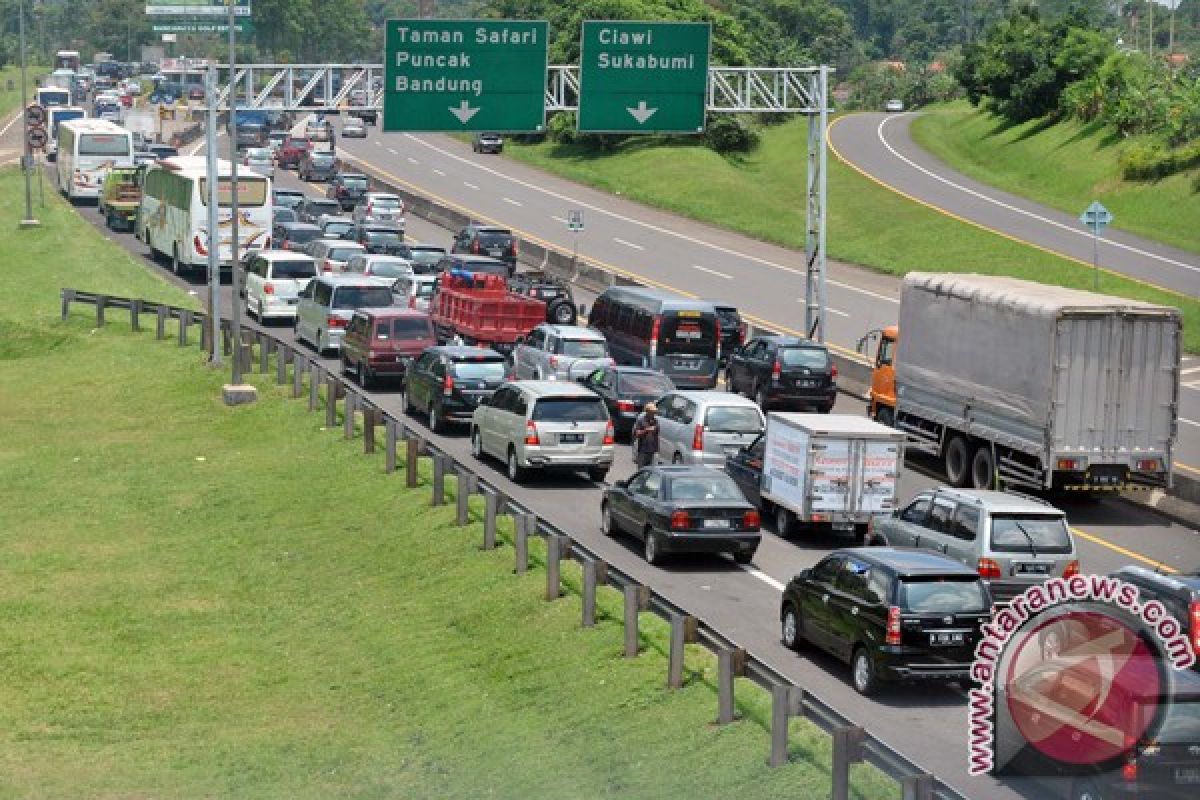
(980, 225)
(1094, 539)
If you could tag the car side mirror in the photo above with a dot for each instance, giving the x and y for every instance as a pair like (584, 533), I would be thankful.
(621, 484)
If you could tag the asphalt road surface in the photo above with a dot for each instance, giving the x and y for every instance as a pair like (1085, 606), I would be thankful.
(927, 724)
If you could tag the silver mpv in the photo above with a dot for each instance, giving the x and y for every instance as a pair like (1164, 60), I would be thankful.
(702, 428)
(544, 425)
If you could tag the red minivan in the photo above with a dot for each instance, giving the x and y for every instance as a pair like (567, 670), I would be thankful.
(380, 342)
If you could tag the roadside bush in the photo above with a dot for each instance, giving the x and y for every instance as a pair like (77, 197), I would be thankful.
(729, 133)
(561, 128)
(1149, 162)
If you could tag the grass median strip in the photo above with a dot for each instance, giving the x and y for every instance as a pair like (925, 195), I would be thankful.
(203, 601)
(867, 223)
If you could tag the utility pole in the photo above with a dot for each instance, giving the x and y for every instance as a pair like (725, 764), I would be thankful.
(27, 162)
(214, 232)
(235, 309)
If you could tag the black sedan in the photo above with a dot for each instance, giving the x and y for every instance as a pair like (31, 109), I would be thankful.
(626, 390)
(679, 509)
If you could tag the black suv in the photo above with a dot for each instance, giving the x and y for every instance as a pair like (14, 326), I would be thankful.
(348, 189)
(733, 329)
(448, 382)
(486, 240)
(312, 209)
(381, 238)
(556, 294)
(783, 370)
(487, 143)
(1180, 594)
(892, 614)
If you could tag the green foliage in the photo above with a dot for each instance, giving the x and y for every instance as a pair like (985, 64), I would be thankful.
(730, 133)
(873, 85)
(561, 127)
(1153, 161)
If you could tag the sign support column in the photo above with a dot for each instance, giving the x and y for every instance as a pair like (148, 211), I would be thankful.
(214, 250)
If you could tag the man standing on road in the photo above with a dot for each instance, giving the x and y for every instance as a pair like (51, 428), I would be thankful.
(645, 436)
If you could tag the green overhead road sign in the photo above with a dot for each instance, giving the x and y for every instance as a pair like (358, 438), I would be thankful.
(464, 75)
(643, 77)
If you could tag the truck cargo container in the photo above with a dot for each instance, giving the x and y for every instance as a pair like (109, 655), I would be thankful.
(1011, 382)
(479, 309)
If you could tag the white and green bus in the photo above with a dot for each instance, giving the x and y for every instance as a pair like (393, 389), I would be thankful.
(173, 216)
(87, 149)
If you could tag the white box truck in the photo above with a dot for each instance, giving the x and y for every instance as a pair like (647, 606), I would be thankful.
(820, 471)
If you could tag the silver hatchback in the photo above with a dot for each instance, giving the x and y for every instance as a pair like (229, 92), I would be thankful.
(702, 428)
(544, 425)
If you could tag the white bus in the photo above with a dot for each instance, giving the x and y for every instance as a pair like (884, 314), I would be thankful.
(67, 59)
(56, 116)
(87, 150)
(50, 96)
(173, 216)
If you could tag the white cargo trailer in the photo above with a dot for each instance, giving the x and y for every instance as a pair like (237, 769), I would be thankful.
(821, 470)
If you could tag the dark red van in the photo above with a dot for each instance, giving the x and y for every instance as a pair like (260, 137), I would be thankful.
(380, 342)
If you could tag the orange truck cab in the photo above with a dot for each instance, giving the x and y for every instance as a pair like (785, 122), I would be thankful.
(883, 377)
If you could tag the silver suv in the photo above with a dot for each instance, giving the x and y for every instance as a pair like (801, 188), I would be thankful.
(1013, 541)
(328, 302)
(544, 425)
(560, 352)
(380, 207)
(702, 428)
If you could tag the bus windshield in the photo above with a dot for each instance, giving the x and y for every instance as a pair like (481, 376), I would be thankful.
(252, 192)
(103, 144)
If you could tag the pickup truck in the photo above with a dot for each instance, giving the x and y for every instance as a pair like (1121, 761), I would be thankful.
(814, 471)
(478, 309)
(120, 197)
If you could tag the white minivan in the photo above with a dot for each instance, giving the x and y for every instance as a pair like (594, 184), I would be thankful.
(274, 280)
(328, 302)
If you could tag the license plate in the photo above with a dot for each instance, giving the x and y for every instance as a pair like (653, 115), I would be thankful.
(716, 523)
(731, 449)
(687, 365)
(945, 639)
(291, 301)
(1187, 775)
(1032, 569)
(806, 384)
(495, 251)
(570, 438)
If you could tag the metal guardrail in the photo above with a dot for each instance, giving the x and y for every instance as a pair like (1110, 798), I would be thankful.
(852, 743)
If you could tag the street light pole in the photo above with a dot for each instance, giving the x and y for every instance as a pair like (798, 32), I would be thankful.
(27, 162)
(235, 307)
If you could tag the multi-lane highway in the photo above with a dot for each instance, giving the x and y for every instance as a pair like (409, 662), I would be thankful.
(764, 280)
(927, 724)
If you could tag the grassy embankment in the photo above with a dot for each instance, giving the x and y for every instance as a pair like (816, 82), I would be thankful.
(762, 194)
(1085, 168)
(211, 602)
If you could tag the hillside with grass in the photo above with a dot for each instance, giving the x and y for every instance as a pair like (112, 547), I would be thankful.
(1085, 159)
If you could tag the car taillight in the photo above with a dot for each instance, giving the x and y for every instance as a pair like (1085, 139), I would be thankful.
(626, 405)
(335, 322)
(553, 362)
(987, 568)
(268, 288)
(893, 625)
(1194, 625)
(475, 246)
(608, 434)
(654, 338)
(742, 333)
(448, 385)
(1068, 463)
(412, 302)
(698, 437)
(680, 520)
(1071, 569)
(327, 266)
(751, 520)
(1149, 465)
(833, 370)
(776, 370)
(531, 434)
(286, 245)
(1129, 771)
(513, 251)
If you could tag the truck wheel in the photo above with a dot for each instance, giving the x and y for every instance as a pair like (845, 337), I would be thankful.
(983, 468)
(884, 415)
(957, 459)
(563, 313)
(783, 521)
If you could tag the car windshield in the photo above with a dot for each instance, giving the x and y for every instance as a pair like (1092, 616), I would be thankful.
(362, 297)
(479, 370)
(733, 419)
(295, 269)
(385, 202)
(389, 269)
(302, 235)
(322, 159)
(944, 594)
(424, 289)
(284, 214)
(717, 487)
(323, 206)
(644, 383)
(258, 154)
(384, 237)
(354, 182)
(425, 258)
(582, 348)
(336, 229)
(342, 253)
(811, 357)
(1025, 533)
(688, 333)
(494, 239)
(569, 409)
(404, 328)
